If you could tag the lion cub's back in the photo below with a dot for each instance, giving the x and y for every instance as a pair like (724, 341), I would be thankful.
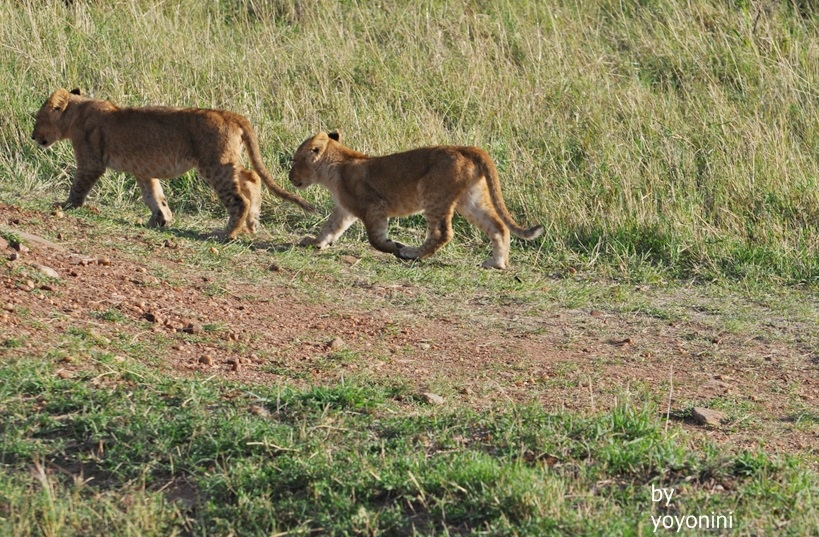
(164, 142)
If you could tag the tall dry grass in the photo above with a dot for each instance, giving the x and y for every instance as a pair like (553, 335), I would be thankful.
(658, 138)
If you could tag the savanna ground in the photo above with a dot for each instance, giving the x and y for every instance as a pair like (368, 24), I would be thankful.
(164, 383)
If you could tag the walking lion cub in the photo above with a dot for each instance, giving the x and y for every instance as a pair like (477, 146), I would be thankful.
(160, 142)
(434, 180)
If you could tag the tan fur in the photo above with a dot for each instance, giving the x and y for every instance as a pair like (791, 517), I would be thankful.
(155, 143)
(434, 180)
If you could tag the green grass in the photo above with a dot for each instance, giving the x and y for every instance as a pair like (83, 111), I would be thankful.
(195, 457)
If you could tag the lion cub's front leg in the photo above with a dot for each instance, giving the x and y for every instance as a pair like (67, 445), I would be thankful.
(84, 180)
(338, 222)
(376, 224)
(154, 198)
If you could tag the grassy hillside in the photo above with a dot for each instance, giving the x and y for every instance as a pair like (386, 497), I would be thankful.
(653, 139)
(169, 384)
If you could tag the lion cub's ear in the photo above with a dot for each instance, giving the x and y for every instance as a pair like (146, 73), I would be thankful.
(75, 91)
(335, 135)
(58, 100)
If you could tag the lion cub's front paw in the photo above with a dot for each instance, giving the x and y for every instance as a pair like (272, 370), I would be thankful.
(159, 220)
(499, 264)
(312, 241)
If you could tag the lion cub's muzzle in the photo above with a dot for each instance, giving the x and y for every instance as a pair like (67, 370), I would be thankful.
(41, 141)
(296, 182)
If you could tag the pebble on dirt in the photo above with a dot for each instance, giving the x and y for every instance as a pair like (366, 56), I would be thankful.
(432, 398)
(706, 416)
(48, 271)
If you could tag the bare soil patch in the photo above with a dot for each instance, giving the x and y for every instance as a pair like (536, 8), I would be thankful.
(198, 323)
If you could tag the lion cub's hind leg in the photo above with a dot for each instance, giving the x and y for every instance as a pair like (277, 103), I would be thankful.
(251, 187)
(476, 206)
(225, 180)
(154, 198)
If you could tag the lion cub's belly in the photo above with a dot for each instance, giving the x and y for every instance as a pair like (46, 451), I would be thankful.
(154, 166)
(405, 204)
(405, 209)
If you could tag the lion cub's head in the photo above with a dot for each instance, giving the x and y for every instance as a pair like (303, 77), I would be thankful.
(308, 157)
(47, 126)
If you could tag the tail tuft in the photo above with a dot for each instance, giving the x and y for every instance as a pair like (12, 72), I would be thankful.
(531, 233)
(306, 206)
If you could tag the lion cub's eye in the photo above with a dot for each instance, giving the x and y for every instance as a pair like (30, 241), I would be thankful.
(315, 150)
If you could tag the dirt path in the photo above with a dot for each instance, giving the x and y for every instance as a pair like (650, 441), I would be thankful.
(193, 322)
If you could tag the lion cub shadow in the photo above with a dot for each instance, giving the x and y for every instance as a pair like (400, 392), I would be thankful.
(215, 236)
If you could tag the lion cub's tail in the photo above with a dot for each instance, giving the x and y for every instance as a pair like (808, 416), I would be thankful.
(490, 172)
(252, 145)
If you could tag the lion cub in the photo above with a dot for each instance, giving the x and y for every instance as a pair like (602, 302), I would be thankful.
(434, 180)
(155, 143)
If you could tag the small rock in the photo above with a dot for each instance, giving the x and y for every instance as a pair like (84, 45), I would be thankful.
(57, 213)
(259, 410)
(432, 398)
(20, 247)
(105, 262)
(213, 250)
(206, 360)
(80, 260)
(274, 268)
(13, 256)
(235, 364)
(48, 271)
(63, 374)
(8, 307)
(119, 358)
(50, 288)
(170, 244)
(706, 416)
(67, 359)
(3, 243)
(424, 346)
(336, 343)
(150, 317)
(192, 328)
(349, 259)
(596, 313)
